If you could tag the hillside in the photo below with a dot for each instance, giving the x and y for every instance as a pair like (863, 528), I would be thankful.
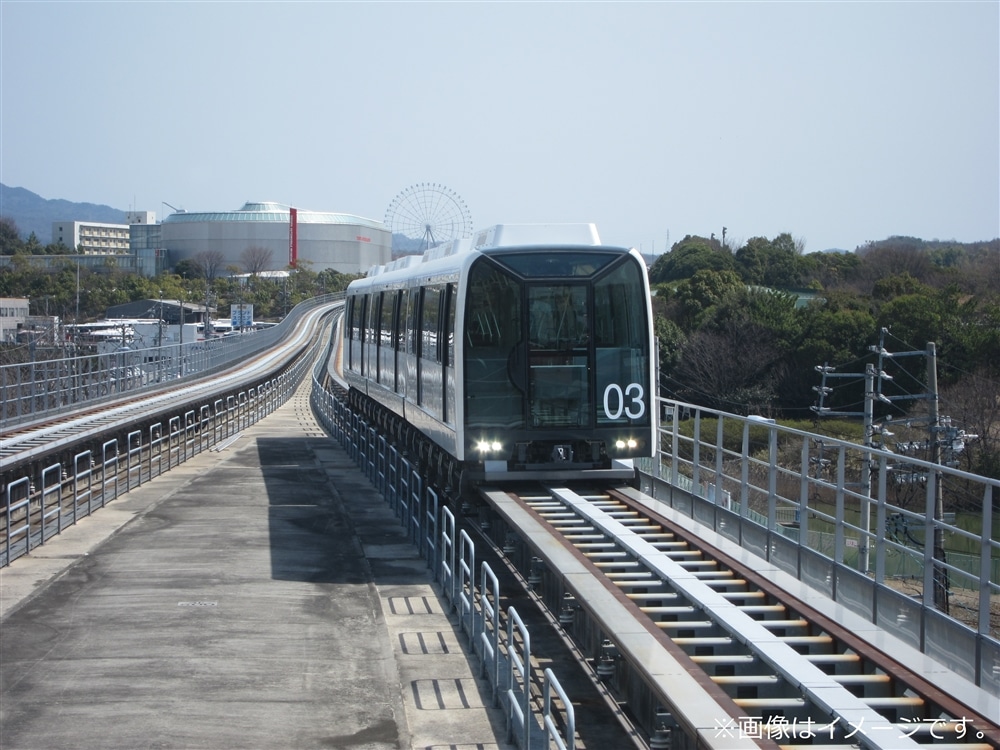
(32, 213)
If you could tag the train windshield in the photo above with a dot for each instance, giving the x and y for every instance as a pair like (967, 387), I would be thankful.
(556, 340)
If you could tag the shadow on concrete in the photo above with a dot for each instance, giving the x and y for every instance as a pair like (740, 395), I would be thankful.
(311, 537)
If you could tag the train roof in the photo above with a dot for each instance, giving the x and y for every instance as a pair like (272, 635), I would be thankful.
(500, 235)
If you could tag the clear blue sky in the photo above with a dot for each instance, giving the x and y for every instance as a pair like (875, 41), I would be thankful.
(837, 122)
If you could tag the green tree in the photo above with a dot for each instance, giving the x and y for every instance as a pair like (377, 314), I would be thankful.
(898, 285)
(914, 319)
(687, 257)
(771, 263)
(698, 297)
(10, 238)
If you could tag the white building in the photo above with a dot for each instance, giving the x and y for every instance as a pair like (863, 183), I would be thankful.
(13, 315)
(95, 238)
(324, 240)
(91, 238)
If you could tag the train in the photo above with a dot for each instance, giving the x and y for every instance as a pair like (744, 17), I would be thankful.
(525, 352)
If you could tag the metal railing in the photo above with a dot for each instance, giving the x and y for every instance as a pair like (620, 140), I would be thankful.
(69, 493)
(862, 524)
(499, 640)
(34, 390)
(96, 476)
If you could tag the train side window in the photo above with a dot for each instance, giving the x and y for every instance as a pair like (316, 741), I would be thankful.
(388, 315)
(430, 317)
(413, 322)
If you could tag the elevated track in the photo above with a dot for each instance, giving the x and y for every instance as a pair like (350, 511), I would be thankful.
(697, 641)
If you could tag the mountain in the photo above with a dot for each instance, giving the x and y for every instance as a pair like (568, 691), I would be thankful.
(32, 213)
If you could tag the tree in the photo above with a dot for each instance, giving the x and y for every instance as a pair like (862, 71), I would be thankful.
(772, 263)
(209, 262)
(913, 319)
(973, 406)
(687, 257)
(897, 285)
(187, 269)
(698, 296)
(256, 259)
(829, 270)
(735, 368)
(896, 255)
(10, 238)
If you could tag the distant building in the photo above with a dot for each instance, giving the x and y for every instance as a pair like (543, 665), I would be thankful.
(134, 245)
(167, 310)
(13, 316)
(341, 242)
(91, 238)
(146, 245)
(320, 241)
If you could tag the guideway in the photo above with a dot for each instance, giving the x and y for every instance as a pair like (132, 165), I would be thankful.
(259, 596)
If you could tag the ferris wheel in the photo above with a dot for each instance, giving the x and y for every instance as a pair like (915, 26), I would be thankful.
(428, 214)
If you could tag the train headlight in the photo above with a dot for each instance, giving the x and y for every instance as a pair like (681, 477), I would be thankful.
(489, 446)
(622, 444)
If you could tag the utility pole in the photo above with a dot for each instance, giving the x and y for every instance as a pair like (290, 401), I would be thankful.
(941, 578)
(864, 511)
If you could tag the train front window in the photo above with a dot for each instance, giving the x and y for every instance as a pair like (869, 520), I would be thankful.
(558, 343)
(551, 263)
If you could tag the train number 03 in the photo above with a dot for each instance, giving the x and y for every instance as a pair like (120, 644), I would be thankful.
(634, 409)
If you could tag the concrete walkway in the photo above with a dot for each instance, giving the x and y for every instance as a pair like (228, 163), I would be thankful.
(262, 596)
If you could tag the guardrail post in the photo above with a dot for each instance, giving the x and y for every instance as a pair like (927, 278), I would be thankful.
(54, 488)
(489, 635)
(448, 553)
(109, 465)
(414, 525)
(466, 584)
(133, 459)
(565, 741)
(518, 683)
(86, 476)
(156, 448)
(431, 533)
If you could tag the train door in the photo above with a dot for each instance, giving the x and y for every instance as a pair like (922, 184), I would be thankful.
(399, 345)
(411, 386)
(352, 332)
(429, 386)
(386, 356)
(448, 353)
(494, 383)
(360, 318)
(371, 336)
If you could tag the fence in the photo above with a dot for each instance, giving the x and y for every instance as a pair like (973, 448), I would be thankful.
(503, 650)
(847, 519)
(36, 389)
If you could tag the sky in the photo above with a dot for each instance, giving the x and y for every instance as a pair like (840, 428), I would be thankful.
(837, 122)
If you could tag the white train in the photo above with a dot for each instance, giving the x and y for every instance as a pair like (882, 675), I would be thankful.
(523, 353)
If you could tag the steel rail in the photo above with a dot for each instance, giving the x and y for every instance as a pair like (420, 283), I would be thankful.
(795, 675)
